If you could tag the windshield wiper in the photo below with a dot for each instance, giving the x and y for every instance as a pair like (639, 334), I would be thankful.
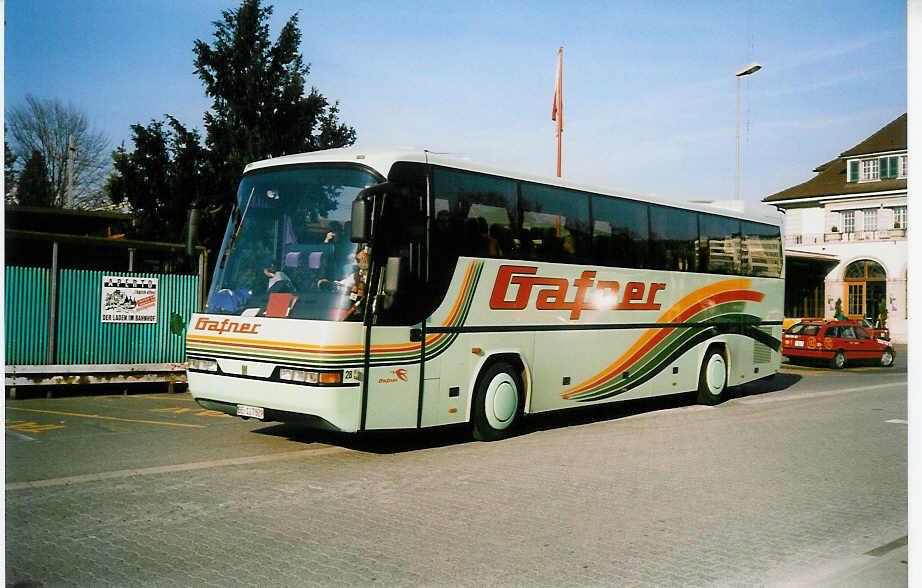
(237, 227)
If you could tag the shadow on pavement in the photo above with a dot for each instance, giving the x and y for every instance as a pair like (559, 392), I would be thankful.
(776, 383)
(380, 442)
(405, 440)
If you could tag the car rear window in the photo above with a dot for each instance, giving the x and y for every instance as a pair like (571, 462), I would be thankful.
(804, 329)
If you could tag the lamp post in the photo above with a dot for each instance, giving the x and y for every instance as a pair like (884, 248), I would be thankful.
(748, 70)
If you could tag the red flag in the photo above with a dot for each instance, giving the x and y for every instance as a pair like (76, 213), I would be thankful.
(557, 110)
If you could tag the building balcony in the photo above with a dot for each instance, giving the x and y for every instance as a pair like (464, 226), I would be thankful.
(838, 237)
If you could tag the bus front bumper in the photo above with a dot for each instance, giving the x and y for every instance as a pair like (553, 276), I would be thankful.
(332, 408)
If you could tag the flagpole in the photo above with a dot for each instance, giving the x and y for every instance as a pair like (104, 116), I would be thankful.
(559, 106)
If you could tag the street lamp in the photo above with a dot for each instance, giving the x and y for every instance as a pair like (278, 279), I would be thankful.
(748, 70)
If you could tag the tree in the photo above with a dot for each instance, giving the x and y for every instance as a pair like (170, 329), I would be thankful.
(47, 126)
(34, 187)
(10, 174)
(161, 178)
(260, 107)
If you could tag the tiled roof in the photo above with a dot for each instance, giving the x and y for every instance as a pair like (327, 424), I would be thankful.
(890, 138)
(831, 178)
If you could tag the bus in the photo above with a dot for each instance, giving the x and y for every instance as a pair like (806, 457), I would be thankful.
(365, 290)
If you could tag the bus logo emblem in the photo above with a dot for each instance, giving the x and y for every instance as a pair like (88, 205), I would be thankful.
(398, 374)
(552, 292)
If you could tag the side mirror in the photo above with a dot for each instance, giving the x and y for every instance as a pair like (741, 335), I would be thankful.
(392, 275)
(362, 212)
(177, 324)
(361, 220)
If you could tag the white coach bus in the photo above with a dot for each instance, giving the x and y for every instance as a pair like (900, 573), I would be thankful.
(366, 290)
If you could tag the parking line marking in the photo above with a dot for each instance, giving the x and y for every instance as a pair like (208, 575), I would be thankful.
(821, 394)
(107, 418)
(883, 549)
(19, 435)
(33, 427)
(897, 422)
(185, 467)
(173, 409)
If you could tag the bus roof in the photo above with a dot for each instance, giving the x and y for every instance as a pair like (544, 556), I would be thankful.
(381, 161)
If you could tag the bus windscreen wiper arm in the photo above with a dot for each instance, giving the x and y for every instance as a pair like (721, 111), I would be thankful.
(233, 239)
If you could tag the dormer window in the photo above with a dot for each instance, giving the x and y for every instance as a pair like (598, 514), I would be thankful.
(877, 168)
(870, 170)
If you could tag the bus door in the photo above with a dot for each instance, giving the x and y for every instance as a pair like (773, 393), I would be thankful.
(394, 360)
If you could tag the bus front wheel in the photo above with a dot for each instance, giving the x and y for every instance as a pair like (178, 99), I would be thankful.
(712, 381)
(497, 403)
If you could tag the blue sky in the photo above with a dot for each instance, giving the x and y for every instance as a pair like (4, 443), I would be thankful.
(649, 90)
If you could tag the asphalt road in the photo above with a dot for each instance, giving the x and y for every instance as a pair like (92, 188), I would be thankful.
(799, 480)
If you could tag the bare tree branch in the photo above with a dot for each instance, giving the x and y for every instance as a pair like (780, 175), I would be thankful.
(46, 125)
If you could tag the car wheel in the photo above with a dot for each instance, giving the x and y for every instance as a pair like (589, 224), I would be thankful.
(886, 358)
(838, 360)
(712, 381)
(497, 405)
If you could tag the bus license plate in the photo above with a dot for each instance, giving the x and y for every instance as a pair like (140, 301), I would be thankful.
(798, 343)
(255, 412)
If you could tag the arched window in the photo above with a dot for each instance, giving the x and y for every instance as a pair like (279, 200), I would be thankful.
(865, 289)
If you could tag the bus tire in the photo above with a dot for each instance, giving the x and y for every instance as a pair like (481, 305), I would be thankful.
(712, 381)
(838, 360)
(498, 402)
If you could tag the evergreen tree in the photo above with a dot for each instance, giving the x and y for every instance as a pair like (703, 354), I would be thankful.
(260, 108)
(34, 188)
(161, 179)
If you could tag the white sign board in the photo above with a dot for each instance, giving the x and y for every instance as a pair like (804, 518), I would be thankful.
(129, 300)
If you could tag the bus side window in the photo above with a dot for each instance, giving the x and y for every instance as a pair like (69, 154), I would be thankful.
(673, 235)
(720, 244)
(474, 211)
(620, 233)
(474, 216)
(558, 223)
(761, 250)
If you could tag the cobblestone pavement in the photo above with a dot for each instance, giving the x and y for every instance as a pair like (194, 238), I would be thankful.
(784, 480)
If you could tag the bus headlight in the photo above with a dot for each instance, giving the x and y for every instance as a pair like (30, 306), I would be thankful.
(310, 377)
(205, 365)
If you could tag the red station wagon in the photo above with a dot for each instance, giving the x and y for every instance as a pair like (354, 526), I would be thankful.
(872, 328)
(837, 342)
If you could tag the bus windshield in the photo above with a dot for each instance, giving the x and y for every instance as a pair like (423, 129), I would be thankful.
(287, 253)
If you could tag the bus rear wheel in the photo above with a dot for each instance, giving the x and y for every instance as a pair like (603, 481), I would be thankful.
(497, 404)
(712, 381)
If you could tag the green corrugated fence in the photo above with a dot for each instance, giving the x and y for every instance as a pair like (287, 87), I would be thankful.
(81, 336)
(25, 304)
